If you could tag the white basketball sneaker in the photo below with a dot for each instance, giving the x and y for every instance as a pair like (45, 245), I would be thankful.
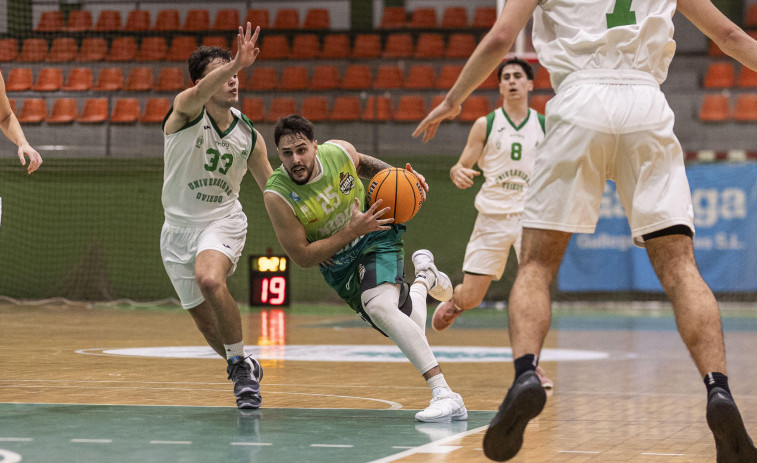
(438, 283)
(446, 406)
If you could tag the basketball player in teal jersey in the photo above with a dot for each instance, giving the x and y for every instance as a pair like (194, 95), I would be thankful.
(12, 129)
(209, 146)
(315, 202)
(608, 120)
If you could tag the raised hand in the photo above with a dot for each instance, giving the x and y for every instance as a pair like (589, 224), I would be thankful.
(431, 122)
(35, 160)
(247, 52)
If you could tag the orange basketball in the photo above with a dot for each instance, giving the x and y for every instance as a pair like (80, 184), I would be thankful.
(400, 190)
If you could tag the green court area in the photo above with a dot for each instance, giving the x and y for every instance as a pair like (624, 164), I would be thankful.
(99, 433)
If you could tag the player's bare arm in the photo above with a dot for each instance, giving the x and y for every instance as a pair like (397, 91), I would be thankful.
(258, 163)
(188, 104)
(462, 172)
(485, 58)
(728, 36)
(291, 234)
(12, 129)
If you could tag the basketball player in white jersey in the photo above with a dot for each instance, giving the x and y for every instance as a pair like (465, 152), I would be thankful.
(608, 120)
(209, 145)
(503, 144)
(12, 129)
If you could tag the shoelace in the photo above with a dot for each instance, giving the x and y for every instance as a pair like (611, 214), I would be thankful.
(239, 370)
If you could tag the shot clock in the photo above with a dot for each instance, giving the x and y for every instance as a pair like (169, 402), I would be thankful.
(269, 281)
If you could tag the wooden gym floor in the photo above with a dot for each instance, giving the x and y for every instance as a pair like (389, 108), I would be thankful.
(84, 384)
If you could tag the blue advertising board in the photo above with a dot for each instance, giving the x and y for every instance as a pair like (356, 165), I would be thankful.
(725, 243)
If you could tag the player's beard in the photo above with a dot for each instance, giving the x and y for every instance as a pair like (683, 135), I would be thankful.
(306, 178)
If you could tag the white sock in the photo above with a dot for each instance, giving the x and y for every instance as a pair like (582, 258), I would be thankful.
(235, 349)
(438, 384)
(425, 277)
(418, 294)
(382, 307)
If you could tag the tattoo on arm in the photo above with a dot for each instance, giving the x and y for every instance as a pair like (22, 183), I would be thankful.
(370, 166)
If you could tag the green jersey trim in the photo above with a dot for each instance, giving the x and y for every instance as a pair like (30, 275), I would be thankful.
(219, 131)
(541, 122)
(188, 124)
(528, 115)
(489, 124)
(247, 121)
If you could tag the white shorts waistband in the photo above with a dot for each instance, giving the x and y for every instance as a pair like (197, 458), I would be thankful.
(608, 76)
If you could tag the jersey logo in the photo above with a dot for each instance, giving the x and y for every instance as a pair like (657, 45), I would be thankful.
(361, 272)
(346, 182)
(199, 141)
(295, 197)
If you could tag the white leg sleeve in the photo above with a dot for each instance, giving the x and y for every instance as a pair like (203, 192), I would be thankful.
(380, 303)
(418, 294)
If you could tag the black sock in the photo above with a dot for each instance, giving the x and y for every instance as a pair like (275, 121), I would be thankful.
(523, 364)
(715, 379)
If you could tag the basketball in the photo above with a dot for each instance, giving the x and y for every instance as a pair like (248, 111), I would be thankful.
(400, 190)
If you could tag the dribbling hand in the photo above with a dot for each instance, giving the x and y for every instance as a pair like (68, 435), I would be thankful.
(421, 180)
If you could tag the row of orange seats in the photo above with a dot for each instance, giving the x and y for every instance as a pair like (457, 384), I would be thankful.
(81, 79)
(453, 17)
(717, 108)
(723, 75)
(169, 20)
(94, 110)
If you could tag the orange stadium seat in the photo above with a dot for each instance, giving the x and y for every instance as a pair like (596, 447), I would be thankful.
(287, 18)
(109, 79)
(125, 111)
(263, 79)
(33, 111)
(197, 20)
(410, 108)
(541, 79)
(366, 46)
(388, 76)
(294, 78)
(356, 77)
(747, 78)
(436, 100)
(48, 80)
(139, 79)
(484, 17)
(474, 107)
(745, 109)
(460, 45)
(325, 77)
(227, 20)
(152, 49)
(394, 17)
(398, 45)
(378, 108)
(715, 108)
(281, 106)
(170, 79)
(750, 21)
(50, 21)
(714, 51)
(78, 80)
(215, 41)
(108, 21)
(8, 49)
(491, 82)
(420, 76)
(137, 20)
(274, 47)
(19, 80)
(33, 50)
(79, 21)
(719, 75)
(64, 111)
(317, 18)
(306, 46)
(167, 20)
(345, 109)
(92, 49)
(122, 49)
(12, 104)
(254, 108)
(448, 76)
(335, 46)
(258, 17)
(429, 45)
(95, 111)
(455, 17)
(242, 79)
(539, 102)
(315, 108)
(423, 18)
(156, 110)
(181, 47)
(63, 49)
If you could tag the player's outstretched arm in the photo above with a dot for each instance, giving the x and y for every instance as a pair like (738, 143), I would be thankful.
(258, 163)
(188, 104)
(462, 172)
(485, 58)
(291, 234)
(12, 129)
(728, 36)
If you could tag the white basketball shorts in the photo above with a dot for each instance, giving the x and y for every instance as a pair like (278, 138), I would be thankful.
(609, 125)
(489, 244)
(179, 247)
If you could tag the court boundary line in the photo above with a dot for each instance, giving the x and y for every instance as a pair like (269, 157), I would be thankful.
(420, 449)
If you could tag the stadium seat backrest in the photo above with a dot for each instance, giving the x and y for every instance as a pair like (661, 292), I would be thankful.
(138, 20)
(275, 46)
(719, 75)
(366, 46)
(484, 17)
(429, 45)
(315, 108)
(33, 110)
(108, 21)
(254, 108)
(420, 76)
(92, 49)
(317, 18)
(747, 78)
(394, 17)
(715, 108)
(356, 77)
(64, 110)
(140, 79)
(110, 79)
(125, 111)
(345, 109)
(33, 50)
(378, 108)
(170, 79)
(410, 108)
(156, 110)
(122, 49)
(95, 111)
(398, 45)
(263, 79)
(12, 104)
(78, 80)
(474, 106)
(539, 102)
(335, 46)
(306, 46)
(287, 18)
(447, 76)
(79, 21)
(294, 78)
(63, 49)
(388, 76)
(460, 45)
(227, 20)
(8, 49)
(48, 80)
(50, 21)
(455, 17)
(258, 17)
(167, 20)
(19, 80)
(197, 20)
(281, 106)
(751, 15)
(423, 18)
(181, 47)
(215, 41)
(152, 49)
(325, 77)
(745, 109)
(491, 82)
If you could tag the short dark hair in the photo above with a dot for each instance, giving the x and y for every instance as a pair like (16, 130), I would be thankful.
(293, 125)
(200, 58)
(522, 63)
